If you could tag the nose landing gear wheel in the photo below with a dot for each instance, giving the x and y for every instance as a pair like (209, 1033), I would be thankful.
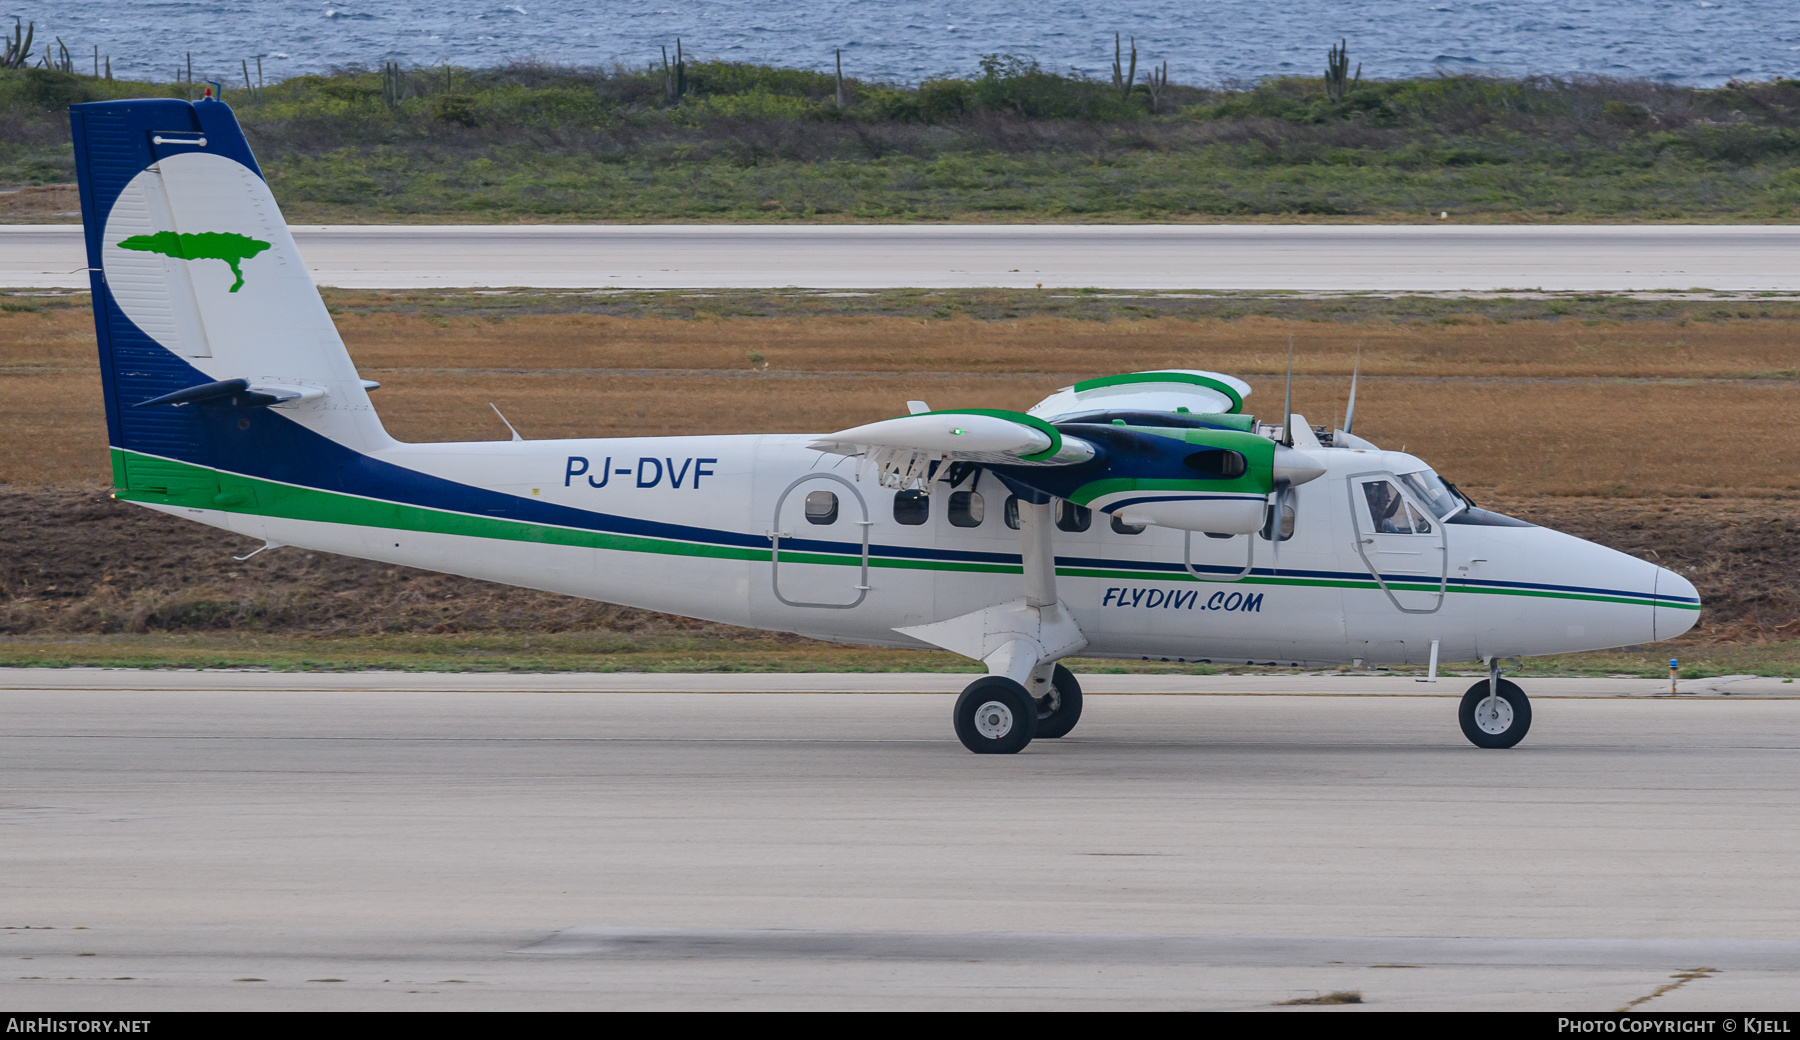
(995, 716)
(1059, 710)
(1495, 722)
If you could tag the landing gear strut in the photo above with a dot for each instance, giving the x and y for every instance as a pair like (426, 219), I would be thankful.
(1026, 693)
(1495, 713)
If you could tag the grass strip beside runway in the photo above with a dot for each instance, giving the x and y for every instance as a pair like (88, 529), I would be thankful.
(608, 652)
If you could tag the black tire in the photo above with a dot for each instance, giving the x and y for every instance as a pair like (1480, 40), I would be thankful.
(1060, 709)
(1489, 735)
(995, 716)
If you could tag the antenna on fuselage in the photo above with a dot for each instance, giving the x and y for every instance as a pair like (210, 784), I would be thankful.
(509, 425)
(1350, 410)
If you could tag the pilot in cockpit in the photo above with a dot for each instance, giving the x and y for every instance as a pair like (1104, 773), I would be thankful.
(1384, 508)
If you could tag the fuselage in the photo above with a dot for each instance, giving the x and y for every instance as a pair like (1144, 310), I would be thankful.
(719, 527)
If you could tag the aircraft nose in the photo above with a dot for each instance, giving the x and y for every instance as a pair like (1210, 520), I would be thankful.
(1677, 605)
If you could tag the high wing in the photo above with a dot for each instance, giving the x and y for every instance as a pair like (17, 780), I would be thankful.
(1167, 447)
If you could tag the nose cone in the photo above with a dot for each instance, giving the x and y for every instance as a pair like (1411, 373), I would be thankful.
(1677, 604)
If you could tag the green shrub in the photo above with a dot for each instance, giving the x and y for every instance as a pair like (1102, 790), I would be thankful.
(722, 77)
(1010, 83)
(1739, 143)
(455, 108)
(944, 100)
(47, 88)
(758, 104)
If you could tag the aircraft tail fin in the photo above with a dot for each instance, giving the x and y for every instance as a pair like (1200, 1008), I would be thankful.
(215, 348)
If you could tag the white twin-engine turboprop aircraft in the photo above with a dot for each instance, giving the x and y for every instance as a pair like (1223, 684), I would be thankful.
(1134, 516)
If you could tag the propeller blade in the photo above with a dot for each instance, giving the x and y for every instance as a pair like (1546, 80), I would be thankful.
(1281, 490)
(1287, 404)
(1350, 412)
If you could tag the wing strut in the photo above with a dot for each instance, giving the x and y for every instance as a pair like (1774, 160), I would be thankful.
(1036, 553)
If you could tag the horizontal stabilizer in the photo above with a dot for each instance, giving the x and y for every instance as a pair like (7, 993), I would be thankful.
(239, 392)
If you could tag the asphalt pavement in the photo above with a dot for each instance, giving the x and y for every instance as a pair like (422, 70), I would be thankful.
(1286, 257)
(376, 840)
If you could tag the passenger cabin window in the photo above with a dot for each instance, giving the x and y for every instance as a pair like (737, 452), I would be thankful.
(966, 509)
(1071, 517)
(1011, 512)
(1287, 519)
(912, 508)
(1389, 513)
(821, 507)
(1119, 525)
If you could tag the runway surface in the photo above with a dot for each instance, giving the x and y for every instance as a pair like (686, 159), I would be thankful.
(1424, 258)
(239, 839)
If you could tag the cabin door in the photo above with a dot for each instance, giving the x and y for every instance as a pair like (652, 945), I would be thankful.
(1400, 543)
(819, 544)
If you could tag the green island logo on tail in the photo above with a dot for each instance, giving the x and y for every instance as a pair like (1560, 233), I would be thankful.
(205, 245)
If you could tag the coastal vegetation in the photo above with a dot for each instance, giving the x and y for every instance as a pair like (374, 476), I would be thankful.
(1008, 140)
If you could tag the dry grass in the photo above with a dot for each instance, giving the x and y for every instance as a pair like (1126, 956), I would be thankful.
(1336, 996)
(43, 204)
(1076, 347)
(1511, 439)
(878, 343)
(557, 376)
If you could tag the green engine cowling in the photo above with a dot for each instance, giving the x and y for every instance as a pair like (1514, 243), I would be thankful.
(1210, 480)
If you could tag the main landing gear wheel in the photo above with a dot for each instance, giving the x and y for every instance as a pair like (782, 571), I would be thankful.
(1059, 710)
(995, 716)
(1495, 722)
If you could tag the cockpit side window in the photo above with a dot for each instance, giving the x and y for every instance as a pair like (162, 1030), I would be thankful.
(1430, 489)
(1389, 512)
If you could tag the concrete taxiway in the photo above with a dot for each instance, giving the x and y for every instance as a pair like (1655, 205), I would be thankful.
(241, 839)
(1425, 258)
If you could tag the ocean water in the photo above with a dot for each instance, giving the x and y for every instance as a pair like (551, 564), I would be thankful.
(1204, 41)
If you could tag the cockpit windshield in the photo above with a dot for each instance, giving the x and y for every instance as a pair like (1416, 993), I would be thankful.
(1429, 488)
